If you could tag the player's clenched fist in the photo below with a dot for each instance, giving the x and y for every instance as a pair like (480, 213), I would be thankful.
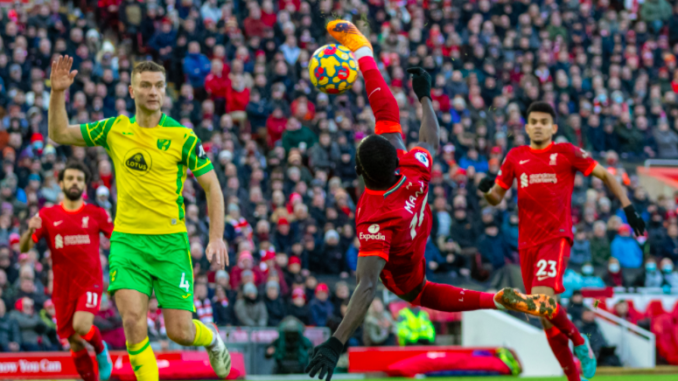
(217, 252)
(35, 222)
(61, 77)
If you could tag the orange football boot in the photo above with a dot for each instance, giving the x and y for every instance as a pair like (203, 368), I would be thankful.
(536, 304)
(348, 35)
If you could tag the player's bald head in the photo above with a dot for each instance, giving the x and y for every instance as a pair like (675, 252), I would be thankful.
(376, 161)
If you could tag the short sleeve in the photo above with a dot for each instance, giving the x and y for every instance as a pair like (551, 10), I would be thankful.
(506, 173)
(375, 239)
(417, 159)
(580, 159)
(39, 233)
(105, 222)
(96, 133)
(194, 157)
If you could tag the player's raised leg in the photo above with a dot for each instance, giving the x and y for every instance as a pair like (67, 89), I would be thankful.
(133, 307)
(85, 329)
(384, 105)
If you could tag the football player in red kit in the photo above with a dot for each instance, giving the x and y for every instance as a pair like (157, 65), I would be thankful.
(72, 230)
(393, 218)
(545, 174)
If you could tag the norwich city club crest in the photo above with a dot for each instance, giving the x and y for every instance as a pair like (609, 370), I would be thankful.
(164, 144)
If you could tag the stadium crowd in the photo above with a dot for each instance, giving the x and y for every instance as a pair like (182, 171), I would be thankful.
(284, 153)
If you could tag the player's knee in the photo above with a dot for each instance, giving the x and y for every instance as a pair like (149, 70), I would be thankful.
(134, 323)
(182, 334)
(76, 343)
(82, 328)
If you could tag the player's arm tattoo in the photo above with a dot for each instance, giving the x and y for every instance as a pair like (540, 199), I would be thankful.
(368, 271)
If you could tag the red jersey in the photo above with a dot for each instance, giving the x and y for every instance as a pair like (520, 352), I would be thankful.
(545, 182)
(73, 240)
(394, 224)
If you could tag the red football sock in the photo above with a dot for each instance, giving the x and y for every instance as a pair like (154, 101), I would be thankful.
(94, 338)
(566, 326)
(443, 297)
(382, 101)
(84, 365)
(560, 346)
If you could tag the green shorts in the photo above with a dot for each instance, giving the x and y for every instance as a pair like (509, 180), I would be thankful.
(146, 263)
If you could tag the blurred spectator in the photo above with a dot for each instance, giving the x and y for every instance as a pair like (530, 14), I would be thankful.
(299, 309)
(588, 326)
(321, 307)
(669, 246)
(48, 317)
(31, 326)
(157, 333)
(203, 306)
(341, 295)
(250, 310)
(626, 249)
(589, 279)
(196, 66)
(651, 276)
(600, 245)
(614, 276)
(224, 314)
(10, 335)
(576, 306)
(670, 276)
(581, 249)
(297, 135)
(291, 349)
(275, 306)
(493, 247)
(379, 326)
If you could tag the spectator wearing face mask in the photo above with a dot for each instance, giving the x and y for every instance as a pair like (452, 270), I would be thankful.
(669, 247)
(250, 310)
(626, 249)
(670, 276)
(614, 277)
(651, 277)
(589, 279)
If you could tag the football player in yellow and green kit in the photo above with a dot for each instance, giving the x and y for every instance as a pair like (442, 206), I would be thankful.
(151, 153)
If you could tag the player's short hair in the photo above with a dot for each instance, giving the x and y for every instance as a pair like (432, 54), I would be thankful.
(377, 160)
(147, 66)
(541, 106)
(78, 166)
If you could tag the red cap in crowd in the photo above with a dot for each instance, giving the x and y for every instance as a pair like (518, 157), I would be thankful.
(322, 287)
(283, 221)
(298, 293)
(294, 259)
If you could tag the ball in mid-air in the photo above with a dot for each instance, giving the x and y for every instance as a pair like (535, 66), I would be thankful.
(333, 69)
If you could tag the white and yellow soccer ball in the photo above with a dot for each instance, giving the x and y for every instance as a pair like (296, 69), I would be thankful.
(333, 69)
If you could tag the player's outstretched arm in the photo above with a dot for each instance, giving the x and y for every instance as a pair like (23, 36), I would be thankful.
(326, 355)
(429, 132)
(61, 78)
(613, 185)
(216, 249)
(26, 241)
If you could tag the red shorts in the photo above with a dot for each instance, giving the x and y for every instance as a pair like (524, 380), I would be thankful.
(400, 279)
(545, 264)
(87, 302)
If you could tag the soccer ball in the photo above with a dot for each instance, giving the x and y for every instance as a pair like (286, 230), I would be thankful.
(333, 69)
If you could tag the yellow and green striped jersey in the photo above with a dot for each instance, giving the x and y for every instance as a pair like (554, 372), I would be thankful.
(150, 169)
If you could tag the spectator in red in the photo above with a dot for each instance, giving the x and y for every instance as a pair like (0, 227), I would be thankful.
(217, 84)
(275, 126)
(109, 322)
(268, 15)
(269, 267)
(253, 25)
(245, 262)
(302, 109)
(237, 98)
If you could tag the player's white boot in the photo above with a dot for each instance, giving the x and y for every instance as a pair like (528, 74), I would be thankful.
(220, 359)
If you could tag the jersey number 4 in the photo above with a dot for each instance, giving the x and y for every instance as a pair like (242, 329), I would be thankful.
(184, 283)
(418, 219)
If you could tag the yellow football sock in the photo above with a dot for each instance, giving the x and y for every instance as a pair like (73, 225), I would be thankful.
(143, 362)
(203, 335)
